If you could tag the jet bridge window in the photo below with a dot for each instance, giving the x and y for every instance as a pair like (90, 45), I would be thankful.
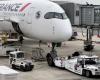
(51, 15)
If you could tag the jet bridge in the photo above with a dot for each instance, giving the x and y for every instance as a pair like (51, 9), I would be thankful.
(86, 16)
(90, 19)
(80, 15)
(89, 15)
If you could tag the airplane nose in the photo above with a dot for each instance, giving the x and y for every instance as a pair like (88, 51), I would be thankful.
(68, 29)
(63, 30)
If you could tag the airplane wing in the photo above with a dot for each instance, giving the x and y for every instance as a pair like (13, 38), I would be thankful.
(15, 23)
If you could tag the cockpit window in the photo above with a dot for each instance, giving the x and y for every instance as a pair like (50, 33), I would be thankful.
(51, 15)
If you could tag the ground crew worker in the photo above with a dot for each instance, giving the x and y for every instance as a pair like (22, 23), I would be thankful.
(21, 39)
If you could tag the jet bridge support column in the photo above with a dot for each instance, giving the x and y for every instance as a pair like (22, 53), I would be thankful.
(88, 42)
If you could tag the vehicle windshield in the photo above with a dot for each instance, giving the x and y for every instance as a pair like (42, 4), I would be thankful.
(98, 61)
(20, 55)
(11, 55)
(90, 62)
(51, 15)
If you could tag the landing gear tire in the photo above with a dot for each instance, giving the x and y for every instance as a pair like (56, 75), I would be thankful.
(88, 74)
(13, 66)
(50, 60)
(51, 56)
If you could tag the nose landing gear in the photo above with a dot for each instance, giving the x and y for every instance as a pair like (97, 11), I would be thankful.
(52, 55)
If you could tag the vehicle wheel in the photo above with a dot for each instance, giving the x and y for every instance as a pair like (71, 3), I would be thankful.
(88, 74)
(50, 60)
(27, 68)
(31, 68)
(13, 66)
(22, 68)
(83, 73)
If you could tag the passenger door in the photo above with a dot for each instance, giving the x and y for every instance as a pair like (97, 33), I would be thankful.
(30, 15)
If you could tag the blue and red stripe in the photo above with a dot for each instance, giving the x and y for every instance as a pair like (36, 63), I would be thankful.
(23, 8)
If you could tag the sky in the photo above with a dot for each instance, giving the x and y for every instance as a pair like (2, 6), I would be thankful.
(95, 2)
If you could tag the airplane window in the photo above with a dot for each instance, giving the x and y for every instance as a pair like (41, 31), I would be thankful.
(64, 16)
(58, 15)
(51, 15)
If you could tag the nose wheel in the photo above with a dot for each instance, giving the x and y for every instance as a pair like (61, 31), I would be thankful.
(51, 56)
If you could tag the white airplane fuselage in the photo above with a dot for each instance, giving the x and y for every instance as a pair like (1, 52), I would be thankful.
(39, 19)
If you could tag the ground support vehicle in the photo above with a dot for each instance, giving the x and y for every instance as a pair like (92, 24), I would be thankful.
(17, 61)
(82, 64)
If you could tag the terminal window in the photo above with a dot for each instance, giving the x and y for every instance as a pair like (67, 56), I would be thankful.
(97, 15)
(77, 13)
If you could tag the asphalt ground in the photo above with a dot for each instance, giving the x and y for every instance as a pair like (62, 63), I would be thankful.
(42, 71)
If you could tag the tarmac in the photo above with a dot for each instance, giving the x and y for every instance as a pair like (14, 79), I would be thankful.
(42, 71)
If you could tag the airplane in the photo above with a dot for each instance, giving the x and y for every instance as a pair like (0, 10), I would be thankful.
(36, 19)
(83, 2)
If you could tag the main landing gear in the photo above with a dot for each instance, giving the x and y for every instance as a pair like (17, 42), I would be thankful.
(52, 55)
